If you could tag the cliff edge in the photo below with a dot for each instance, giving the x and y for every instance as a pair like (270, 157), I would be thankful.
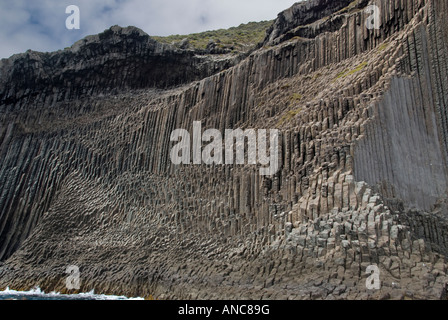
(86, 177)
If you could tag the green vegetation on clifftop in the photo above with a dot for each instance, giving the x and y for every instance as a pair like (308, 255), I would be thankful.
(236, 38)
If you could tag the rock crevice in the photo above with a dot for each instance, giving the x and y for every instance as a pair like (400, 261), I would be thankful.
(87, 179)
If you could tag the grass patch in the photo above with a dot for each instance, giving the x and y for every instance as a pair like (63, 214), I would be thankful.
(297, 38)
(383, 46)
(347, 73)
(352, 5)
(288, 116)
(296, 97)
(235, 38)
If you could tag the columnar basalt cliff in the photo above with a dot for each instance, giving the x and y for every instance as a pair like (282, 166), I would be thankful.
(86, 177)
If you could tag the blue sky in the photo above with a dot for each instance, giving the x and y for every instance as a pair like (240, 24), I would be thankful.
(40, 24)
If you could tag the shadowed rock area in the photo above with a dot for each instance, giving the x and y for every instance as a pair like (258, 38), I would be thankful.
(86, 177)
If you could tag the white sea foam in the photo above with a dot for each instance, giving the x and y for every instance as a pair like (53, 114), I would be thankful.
(37, 292)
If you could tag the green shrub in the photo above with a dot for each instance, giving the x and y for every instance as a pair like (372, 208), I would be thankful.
(296, 97)
(288, 116)
(240, 37)
(347, 73)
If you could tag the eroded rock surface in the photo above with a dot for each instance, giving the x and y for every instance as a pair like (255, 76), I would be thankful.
(86, 177)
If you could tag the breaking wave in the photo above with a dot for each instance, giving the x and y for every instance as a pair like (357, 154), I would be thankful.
(38, 294)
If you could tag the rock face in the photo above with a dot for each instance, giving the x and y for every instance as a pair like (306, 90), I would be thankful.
(86, 177)
(115, 60)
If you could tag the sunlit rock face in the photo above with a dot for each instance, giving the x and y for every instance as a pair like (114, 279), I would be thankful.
(86, 177)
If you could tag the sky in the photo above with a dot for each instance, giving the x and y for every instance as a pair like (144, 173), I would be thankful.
(40, 25)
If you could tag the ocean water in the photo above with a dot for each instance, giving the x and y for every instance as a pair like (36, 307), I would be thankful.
(38, 294)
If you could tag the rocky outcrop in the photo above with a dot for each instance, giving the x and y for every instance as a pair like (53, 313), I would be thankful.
(87, 179)
(116, 60)
(304, 14)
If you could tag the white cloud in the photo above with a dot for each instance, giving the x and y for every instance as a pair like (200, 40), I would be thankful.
(40, 24)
